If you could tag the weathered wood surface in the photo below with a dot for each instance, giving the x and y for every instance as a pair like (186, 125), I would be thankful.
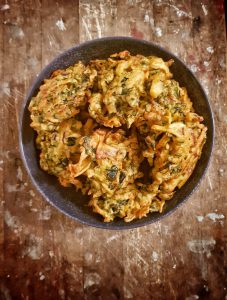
(45, 255)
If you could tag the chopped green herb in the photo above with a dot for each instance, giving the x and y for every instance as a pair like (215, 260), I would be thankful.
(154, 72)
(64, 162)
(41, 119)
(178, 107)
(111, 174)
(71, 141)
(123, 202)
(88, 149)
(86, 142)
(49, 98)
(114, 207)
(85, 77)
(176, 92)
(164, 122)
(174, 170)
(124, 91)
(75, 89)
(122, 177)
(124, 80)
(153, 144)
(110, 186)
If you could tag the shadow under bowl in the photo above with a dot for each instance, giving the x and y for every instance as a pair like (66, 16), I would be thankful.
(73, 203)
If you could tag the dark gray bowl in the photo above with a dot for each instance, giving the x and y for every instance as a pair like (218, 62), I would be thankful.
(68, 200)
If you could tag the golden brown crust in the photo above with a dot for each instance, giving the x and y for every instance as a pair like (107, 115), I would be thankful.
(99, 124)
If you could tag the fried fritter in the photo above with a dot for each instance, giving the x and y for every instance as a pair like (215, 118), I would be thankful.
(98, 124)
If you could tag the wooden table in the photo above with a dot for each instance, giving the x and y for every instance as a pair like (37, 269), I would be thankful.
(46, 255)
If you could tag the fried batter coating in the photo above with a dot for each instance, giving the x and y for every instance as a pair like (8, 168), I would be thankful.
(122, 92)
(61, 96)
(98, 124)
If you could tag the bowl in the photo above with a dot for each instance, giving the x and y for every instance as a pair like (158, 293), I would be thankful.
(67, 200)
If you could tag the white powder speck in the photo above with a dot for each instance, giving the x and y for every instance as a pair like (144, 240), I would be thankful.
(176, 30)
(61, 25)
(19, 173)
(218, 81)
(206, 63)
(204, 8)
(146, 18)
(210, 49)
(45, 214)
(214, 217)
(51, 253)
(206, 90)
(32, 62)
(88, 257)
(78, 231)
(91, 279)
(174, 266)
(32, 193)
(192, 297)
(202, 246)
(12, 188)
(5, 7)
(11, 221)
(42, 277)
(206, 287)
(221, 171)
(180, 13)
(34, 209)
(158, 31)
(154, 256)
(5, 89)
(113, 11)
(33, 248)
(199, 218)
(222, 62)
(17, 32)
(127, 293)
(194, 68)
(111, 238)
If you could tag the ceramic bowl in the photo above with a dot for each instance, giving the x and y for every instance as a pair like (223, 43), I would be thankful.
(73, 203)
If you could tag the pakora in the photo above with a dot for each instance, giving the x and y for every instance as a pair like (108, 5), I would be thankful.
(120, 130)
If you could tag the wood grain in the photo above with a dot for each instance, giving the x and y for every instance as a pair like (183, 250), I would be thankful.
(44, 254)
(1, 151)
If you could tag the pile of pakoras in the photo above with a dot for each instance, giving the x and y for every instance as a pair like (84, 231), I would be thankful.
(102, 126)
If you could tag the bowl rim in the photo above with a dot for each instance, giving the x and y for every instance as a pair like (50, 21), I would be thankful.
(112, 226)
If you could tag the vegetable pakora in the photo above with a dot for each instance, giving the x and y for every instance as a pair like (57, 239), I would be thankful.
(99, 124)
